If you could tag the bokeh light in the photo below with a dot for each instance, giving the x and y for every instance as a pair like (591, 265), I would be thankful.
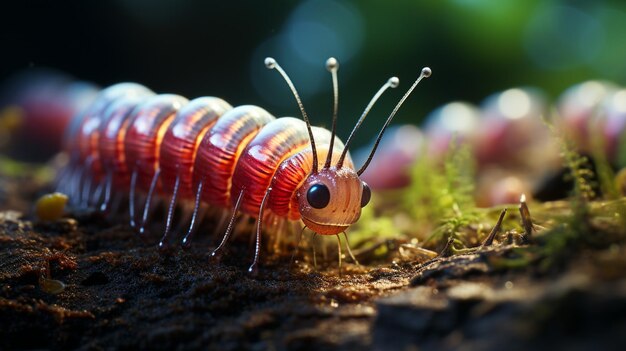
(192, 48)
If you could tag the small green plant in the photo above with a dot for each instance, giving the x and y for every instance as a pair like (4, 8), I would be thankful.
(604, 171)
(443, 195)
(574, 229)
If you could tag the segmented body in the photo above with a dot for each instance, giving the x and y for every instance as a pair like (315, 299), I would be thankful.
(132, 140)
(243, 159)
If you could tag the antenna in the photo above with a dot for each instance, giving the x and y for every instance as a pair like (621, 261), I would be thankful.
(391, 83)
(426, 72)
(270, 63)
(332, 65)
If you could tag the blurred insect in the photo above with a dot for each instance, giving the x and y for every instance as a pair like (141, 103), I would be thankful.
(592, 114)
(453, 123)
(580, 108)
(36, 106)
(242, 159)
(398, 151)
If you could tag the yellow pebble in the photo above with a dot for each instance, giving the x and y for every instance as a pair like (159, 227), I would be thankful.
(50, 207)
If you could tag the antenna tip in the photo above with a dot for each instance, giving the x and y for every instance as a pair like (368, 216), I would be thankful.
(426, 72)
(332, 64)
(393, 82)
(270, 63)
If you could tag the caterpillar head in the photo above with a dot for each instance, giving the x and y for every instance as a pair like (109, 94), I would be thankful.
(331, 198)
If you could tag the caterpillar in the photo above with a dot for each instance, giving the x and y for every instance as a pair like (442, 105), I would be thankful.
(240, 159)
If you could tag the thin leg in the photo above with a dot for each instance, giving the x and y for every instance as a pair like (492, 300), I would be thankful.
(65, 176)
(148, 204)
(339, 252)
(80, 185)
(86, 189)
(84, 198)
(73, 186)
(257, 247)
(202, 213)
(60, 179)
(131, 199)
(68, 187)
(76, 183)
(170, 214)
(70, 174)
(97, 195)
(76, 176)
(350, 250)
(65, 186)
(196, 208)
(106, 203)
(230, 225)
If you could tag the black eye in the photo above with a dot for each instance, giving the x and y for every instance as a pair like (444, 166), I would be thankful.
(318, 196)
(367, 194)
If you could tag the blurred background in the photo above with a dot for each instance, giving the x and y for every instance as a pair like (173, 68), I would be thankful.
(194, 48)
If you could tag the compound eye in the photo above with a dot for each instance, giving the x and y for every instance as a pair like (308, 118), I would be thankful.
(367, 195)
(318, 196)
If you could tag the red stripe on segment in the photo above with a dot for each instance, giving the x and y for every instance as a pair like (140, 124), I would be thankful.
(114, 127)
(180, 142)
(145, 133)
(260, 159)
(221, 148)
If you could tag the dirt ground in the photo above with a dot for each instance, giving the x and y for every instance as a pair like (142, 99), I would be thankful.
(88, 283)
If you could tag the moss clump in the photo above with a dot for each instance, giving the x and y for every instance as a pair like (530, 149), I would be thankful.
(442, 196)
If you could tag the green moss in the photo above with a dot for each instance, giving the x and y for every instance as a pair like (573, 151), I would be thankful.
(373, 225)
(442, 196)
(604, 171)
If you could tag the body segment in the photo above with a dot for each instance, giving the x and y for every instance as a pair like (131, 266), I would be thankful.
(112, 135)
(145, 134)
(219, 151)
(180, 143)
(262, 156)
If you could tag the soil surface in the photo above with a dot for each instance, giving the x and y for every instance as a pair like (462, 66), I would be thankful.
(88, 283)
